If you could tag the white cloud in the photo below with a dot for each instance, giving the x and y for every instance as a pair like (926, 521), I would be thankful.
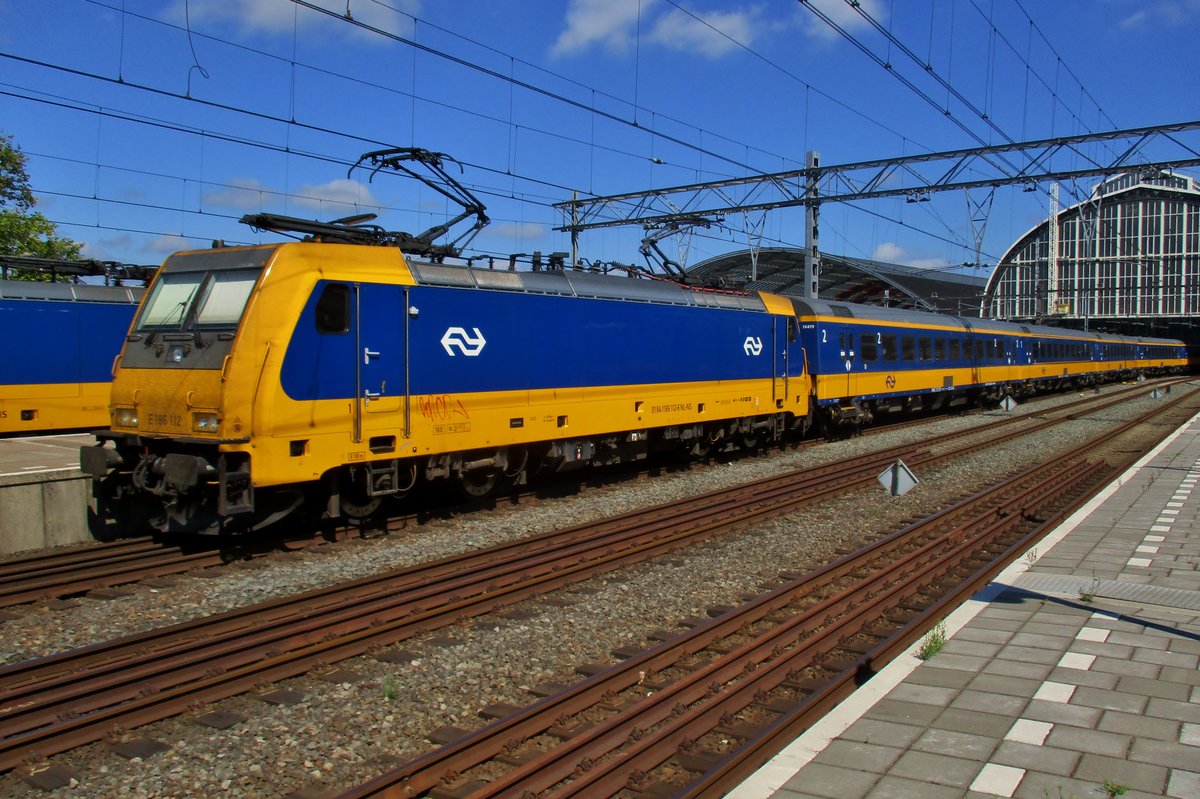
(516, 230)
(1162, 14)
(169, 243)
(611, 24)
(282, 16)
(702, 33)
(841, 13)
(890, 252)
(341, 192)
(242, 194)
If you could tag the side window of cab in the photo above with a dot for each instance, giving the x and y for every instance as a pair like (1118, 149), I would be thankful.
(333, 309)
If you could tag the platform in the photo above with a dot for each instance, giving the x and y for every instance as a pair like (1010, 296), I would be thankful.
(1073, 675)
(43, 495)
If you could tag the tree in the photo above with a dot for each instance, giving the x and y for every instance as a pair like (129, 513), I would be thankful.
(24, 231)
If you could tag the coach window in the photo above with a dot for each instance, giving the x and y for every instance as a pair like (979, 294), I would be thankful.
(870, 348)
(888, 342)
(908, 348)
(926, 348)
(939, 349)
(333, 309)
(955, 349)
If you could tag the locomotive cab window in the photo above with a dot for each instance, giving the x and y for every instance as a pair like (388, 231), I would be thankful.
(199, 299)
(333, 309)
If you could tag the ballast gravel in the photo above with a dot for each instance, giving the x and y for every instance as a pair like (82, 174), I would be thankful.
(341, 734)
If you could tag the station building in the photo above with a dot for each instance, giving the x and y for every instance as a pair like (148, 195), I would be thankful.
(780, 270)
(1126, 260)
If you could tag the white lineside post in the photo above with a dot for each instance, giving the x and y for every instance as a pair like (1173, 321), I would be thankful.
(812, 212)
(1052, 254)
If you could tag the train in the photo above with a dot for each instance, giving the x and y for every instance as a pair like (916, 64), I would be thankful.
(328, 376)
(60, 341)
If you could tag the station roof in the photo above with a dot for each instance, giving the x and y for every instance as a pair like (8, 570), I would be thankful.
(846, 279)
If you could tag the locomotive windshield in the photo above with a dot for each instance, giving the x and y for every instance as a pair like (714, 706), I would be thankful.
(197, 300)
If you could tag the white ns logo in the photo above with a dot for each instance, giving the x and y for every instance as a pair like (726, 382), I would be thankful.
(753, 345)
(457, 337)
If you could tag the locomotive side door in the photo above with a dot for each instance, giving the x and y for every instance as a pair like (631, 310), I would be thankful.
(782, 339)
(379, 316)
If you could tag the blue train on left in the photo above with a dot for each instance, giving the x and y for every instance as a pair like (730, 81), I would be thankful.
(60, 341)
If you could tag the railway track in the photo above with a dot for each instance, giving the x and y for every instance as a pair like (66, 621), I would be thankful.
(52, 704)
(694, 715)
(49, 575)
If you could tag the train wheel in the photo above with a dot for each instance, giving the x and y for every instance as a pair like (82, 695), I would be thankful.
(356, 503)
(480, 484)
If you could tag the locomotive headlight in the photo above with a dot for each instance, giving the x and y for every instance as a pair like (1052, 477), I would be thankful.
(125, 417)
(204, 422)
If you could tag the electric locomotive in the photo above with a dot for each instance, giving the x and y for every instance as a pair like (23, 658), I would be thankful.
(257, 379)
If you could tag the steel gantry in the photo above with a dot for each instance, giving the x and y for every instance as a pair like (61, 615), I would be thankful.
(915, 177)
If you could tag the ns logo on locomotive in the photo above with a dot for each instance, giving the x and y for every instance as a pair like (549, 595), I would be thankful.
(333, 373)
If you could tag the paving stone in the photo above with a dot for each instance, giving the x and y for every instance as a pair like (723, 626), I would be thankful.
(884, 733)
(1183, 784)
(1059, 713)
(1139, 726)
(973, 632)
(1175, 659)
(904, 712)
(1128, 668)
(1112, 744)
(923, 694)
(1162, 753)
(972, 721)
(1162, 690)
(1136, 776)
(945, 678)
(997, 779)
(1029, 654)
(957, 744)
(1054, 643)
(936, 769)
(856, 754)
(1011, 686)
(822, 779)
(1047, 759)
(1168, 709)
(971, 663)
(1085, 677)
(990, 703)
(891, 787)
(982, 649)
(1004, 667)
(1137, 639)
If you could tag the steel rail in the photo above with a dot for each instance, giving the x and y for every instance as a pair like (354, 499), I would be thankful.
(580, 766)
(23, 681)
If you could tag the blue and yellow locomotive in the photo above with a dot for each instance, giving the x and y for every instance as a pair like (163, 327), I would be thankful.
(257, 379)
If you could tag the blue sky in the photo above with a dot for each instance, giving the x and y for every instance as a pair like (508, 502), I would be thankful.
(152, 126)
